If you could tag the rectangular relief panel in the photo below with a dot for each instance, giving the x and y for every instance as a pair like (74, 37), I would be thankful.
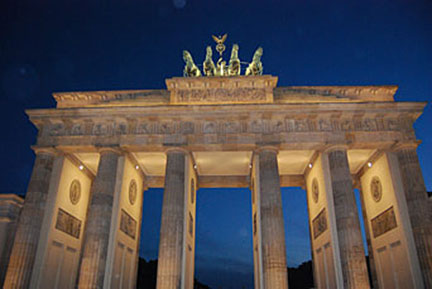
(53, 264)
(221, 90)
(320, 269)
(68, 224)
(385, 267)
(118, 266)
(69, 269)
(319, 224)
(331, 277)
(128, 224)
(384, 222)
(127, 271)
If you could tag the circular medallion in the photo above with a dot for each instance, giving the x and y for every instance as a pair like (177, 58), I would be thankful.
(315, 190)
(132, 191)
(192, 191)
(376, 189)
(75, 192)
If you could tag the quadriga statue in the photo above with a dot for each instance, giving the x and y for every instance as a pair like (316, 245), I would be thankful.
(209, 67)
(234, 63)
(255, 67)
(190, 68)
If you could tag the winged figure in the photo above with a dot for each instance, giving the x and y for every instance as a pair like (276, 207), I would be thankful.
(234, 63)
(209, 67)
(220, 39)
(190, 68)
(255, 67)
(220, 47)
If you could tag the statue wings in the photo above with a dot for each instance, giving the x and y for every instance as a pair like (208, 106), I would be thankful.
(220, 39)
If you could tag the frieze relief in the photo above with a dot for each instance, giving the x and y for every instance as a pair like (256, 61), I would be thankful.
(68, 224)
(384, 222)
(221, 95)
(128, 224)
(257, 126)
(319, 224)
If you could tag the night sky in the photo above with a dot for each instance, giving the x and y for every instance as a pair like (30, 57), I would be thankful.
(48, 46)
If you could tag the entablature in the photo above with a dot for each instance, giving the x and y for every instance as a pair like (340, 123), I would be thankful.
(285, 125)
(225, 90)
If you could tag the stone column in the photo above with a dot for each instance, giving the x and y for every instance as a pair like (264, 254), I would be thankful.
(98, 226)
(373, 275)
(272, 223)
(10, 209)
(351, 251)
(171, 233)
(27, 234)
(419, 211)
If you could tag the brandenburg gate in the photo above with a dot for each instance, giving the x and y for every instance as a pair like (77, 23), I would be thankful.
(97, 152)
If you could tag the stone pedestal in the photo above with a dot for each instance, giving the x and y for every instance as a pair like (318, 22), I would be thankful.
(351, 251)
(171, 253)
(274, 268)
(27, 235)
(419, 211)
(98, 226)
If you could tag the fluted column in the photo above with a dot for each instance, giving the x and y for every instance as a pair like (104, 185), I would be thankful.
(351, 251)
(419, 211)
(272, 223)
(98, 226)
(374, 280)
(171, 233)
(29, 225)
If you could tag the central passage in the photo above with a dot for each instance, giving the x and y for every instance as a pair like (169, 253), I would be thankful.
(224, 255)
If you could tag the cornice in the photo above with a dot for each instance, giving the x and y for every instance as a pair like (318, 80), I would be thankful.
(309, 109)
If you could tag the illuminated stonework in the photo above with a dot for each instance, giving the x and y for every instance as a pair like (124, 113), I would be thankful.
(75, 192)
(376, 189)
(315, 190)
(236, 131)
(132, 191)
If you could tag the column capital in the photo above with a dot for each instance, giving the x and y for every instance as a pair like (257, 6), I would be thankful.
(403, 146)
(177, 150)
(51, 150)
(110, 149)
(266, 148)
(334, 147)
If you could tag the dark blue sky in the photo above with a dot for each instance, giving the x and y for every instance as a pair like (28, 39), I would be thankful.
(48, 46)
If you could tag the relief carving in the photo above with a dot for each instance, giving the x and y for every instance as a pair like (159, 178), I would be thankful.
(300, 125)
(77, 129)
(376, 189)
(369, 125)
(75, 192)
(210, 127)
(278, 126)
(384, 222)
(120, 128)
(223, 126)
(57, 129)
(100, 129)
(392, 124)
(232, 127)
(346, 125)
(221, 95)
(165, 128)
(255, 126)
(319, 224)
(144, 128)
(187, 127)
(128, 224)
(68, 224)
(325, 125)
